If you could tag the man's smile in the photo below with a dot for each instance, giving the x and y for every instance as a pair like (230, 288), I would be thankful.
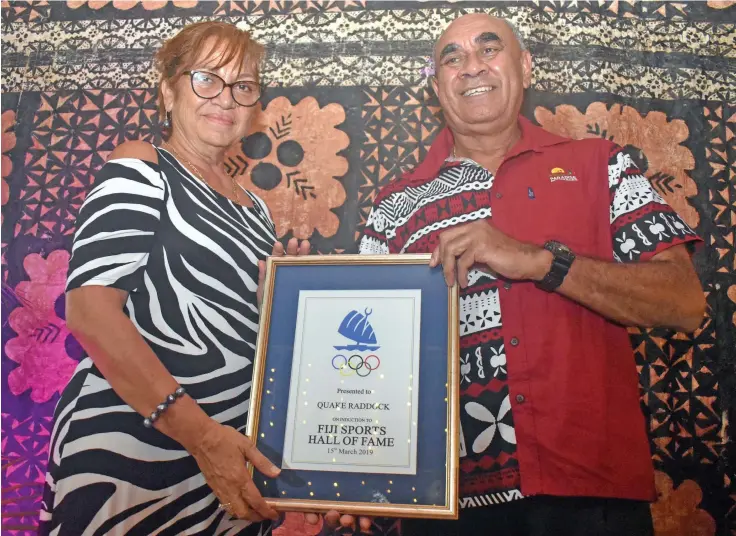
(477, 91)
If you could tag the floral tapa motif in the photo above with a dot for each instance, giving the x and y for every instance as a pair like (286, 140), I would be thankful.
(8, 144)
(663, 158)
(40, 347)
(676, 512)
(720, 4)
(291, 160)
(149, 5)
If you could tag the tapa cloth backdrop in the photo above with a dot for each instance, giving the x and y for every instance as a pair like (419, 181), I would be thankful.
(347, 108)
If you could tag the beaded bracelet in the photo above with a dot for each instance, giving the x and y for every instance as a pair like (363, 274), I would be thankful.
(163, 406)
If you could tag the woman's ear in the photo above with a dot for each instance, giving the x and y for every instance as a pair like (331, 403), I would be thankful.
(168, 94)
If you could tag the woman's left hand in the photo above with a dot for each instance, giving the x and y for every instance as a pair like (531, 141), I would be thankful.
(293, 247)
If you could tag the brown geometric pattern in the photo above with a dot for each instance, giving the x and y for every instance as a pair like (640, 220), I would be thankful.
(25, 12)
(72, 133)
(720, 121)
(77, 76)
(680, 394)
(721, 157)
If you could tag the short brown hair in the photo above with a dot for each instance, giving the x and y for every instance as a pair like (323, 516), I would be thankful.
(180, 52)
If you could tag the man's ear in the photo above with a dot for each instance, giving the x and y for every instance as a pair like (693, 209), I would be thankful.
(435, 84)
(526, 68)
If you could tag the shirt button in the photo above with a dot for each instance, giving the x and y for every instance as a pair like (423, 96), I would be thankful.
(520, 399)
(499, 195)
(507, 285)
(514, 341)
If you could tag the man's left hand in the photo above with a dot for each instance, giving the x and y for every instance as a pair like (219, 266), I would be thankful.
(334, 519)
(480, 243)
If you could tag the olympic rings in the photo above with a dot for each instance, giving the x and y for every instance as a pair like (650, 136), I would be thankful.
(344, 369)
(344, 359)
(356, 364)
(378, 362)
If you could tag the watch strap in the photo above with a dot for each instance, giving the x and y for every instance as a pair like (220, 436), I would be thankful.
(561, 262)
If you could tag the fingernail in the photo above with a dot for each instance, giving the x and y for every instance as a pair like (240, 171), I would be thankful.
(275, 470)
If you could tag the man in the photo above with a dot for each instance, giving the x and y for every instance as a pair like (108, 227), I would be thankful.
(556, 244)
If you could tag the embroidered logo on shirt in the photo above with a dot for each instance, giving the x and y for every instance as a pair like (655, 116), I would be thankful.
(559, 174)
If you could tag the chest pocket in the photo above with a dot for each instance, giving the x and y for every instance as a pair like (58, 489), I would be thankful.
(553, 202)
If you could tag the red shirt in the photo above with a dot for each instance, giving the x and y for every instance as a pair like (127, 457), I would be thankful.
(561, 411)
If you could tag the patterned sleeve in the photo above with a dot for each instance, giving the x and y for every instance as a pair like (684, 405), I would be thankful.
(116, 226)
(374, 240)
(642, 223)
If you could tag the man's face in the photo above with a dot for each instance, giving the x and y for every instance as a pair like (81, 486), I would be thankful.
(481, 73)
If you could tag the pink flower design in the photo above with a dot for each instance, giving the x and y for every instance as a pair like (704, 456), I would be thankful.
(39, 349)
(429, 69)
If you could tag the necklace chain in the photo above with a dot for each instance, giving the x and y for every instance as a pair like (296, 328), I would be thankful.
(236, 193)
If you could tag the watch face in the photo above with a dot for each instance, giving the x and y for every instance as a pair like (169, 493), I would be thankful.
(559, 249)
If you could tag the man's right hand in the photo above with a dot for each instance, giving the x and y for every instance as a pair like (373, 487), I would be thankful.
(334, 519)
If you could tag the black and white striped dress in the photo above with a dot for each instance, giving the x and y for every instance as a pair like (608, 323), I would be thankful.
(189, 259)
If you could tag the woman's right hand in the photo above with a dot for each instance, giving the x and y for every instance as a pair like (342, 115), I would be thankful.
(221, 453)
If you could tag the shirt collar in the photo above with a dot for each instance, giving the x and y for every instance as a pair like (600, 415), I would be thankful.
(533, 138)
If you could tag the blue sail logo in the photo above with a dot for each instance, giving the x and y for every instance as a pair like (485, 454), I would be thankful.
(355, 326)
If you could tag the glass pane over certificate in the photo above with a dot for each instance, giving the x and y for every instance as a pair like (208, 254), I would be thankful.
(355, 386)
(354, 390)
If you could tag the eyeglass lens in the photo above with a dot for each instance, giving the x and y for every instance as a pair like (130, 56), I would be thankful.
(208, 86)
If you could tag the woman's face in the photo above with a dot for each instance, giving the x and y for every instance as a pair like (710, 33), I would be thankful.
(217, 122)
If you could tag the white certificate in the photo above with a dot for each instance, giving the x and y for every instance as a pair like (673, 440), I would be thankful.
(353, 396)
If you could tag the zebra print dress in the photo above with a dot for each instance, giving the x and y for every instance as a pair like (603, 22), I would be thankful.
(189, 259)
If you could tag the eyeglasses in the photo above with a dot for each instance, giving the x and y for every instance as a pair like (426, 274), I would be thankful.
(208, 86)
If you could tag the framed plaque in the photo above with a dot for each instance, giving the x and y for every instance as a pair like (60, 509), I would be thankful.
(355, 386)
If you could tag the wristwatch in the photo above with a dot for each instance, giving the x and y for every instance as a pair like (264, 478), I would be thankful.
(561, 262)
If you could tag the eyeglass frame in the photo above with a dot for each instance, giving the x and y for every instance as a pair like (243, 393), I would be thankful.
(224, 85)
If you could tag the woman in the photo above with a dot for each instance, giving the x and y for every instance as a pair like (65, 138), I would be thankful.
(162, 294)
